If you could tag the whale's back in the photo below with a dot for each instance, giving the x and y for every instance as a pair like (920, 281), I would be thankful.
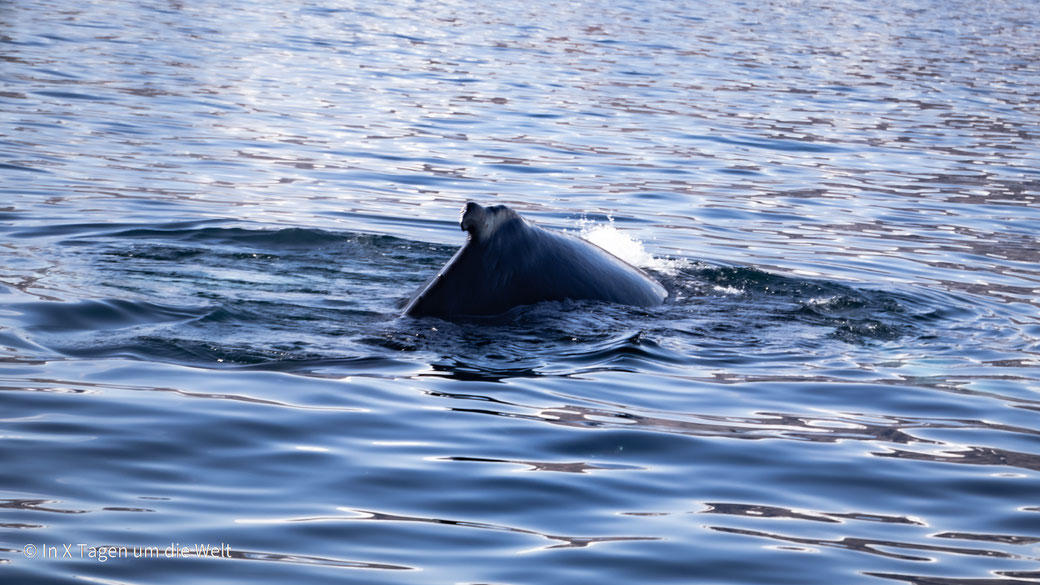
(508, 262)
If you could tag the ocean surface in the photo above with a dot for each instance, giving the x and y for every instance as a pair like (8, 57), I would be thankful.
(211, 214)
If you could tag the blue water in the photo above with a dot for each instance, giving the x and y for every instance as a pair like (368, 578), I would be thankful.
(212, 212)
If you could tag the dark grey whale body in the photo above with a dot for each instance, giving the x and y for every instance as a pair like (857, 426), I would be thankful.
(507, 262)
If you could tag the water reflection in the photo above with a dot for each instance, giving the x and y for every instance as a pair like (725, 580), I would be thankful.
(972, 456)
(366, 515)
(212, 210)
(38, 506)
(562, 467)
(758, 511)
(870, 546)
(247, 555)
(893, 548)
(1007, 577)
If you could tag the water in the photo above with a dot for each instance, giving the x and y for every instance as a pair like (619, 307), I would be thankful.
(213, 211)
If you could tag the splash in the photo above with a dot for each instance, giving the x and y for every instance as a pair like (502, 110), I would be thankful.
(624, 246)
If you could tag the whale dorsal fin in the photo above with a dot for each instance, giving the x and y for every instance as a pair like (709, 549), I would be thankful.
(481, 222)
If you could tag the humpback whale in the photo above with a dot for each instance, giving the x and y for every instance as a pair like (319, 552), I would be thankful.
(508, 261)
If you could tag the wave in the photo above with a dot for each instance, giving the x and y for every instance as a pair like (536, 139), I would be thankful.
(235, 236)
(291, 298)
(97, 315)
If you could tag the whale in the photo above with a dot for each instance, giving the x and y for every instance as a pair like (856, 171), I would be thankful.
(508, 261)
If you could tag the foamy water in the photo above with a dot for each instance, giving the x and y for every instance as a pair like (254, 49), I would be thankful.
(627, 248)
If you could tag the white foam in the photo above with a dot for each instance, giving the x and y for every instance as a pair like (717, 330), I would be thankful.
(624, 246)
(727, 290)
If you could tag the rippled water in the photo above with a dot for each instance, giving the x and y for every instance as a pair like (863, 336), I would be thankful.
(212, 213)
